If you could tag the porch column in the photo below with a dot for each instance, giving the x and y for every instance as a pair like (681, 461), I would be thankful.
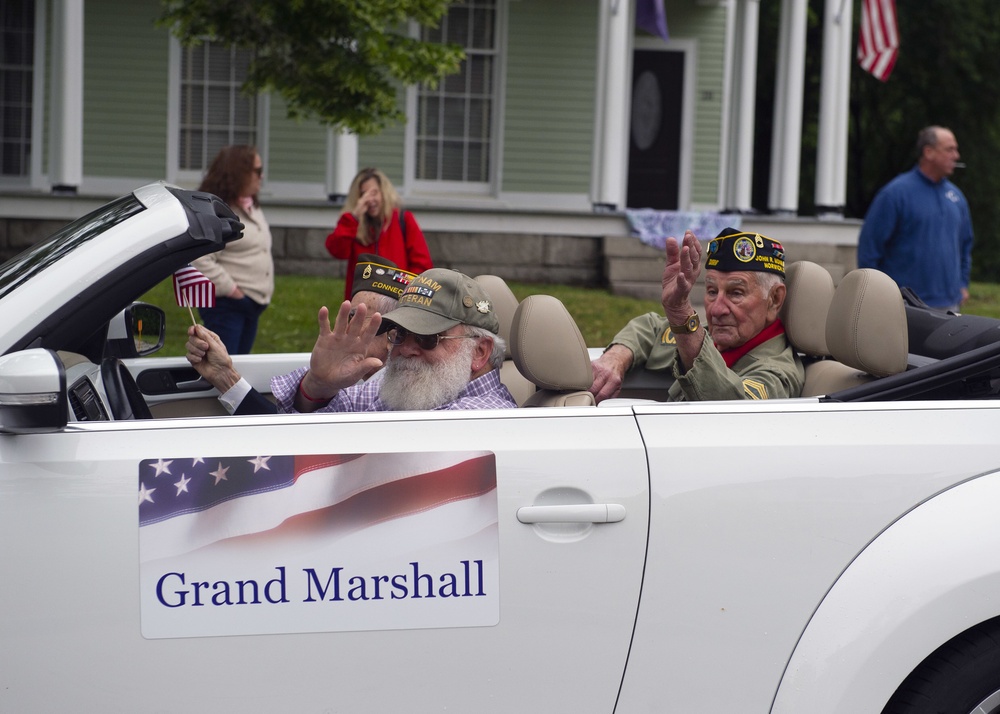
(341, 162)
(613, 104)
(739, 179)
(66, 116)
(786, 140)
(835, 89)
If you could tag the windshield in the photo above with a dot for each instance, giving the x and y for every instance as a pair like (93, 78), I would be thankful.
(64, 241)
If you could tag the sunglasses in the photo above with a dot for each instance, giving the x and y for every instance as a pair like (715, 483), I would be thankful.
(259, 170)
(398, 335)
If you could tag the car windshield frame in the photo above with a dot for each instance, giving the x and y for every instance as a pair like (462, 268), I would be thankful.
(42, 255)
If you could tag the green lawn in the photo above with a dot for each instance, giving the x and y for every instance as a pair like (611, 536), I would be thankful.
(984, 299)
(289, 324)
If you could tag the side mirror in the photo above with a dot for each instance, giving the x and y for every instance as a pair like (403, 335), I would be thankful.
(32, 392)
(137, 331)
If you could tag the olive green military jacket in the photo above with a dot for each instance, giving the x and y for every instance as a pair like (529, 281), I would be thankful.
(770, 370)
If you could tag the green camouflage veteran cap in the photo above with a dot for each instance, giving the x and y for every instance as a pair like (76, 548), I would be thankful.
(437, 300)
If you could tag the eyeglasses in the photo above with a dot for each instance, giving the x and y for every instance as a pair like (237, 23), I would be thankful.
(259, 170)
(398, 335)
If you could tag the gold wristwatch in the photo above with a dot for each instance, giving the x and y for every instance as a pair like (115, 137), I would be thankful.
(690, 325)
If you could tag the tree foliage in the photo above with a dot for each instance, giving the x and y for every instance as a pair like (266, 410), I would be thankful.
(338, 61)
(944, 75)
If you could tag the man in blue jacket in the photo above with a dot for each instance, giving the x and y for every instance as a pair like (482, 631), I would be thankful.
(918, 229)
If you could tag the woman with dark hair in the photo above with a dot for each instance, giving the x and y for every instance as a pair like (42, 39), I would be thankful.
(373, 222)
(243, 272)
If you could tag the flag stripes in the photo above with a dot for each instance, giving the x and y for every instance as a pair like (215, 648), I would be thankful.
(878, 39)
(193, 289)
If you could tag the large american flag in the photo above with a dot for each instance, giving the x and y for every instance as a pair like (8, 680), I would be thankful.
(878, 40)
(189, 503)
(193, 289)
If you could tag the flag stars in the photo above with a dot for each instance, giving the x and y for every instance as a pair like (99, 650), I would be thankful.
(161, 467)
(220, 473)
(259, 463)
(182, 485)
(145, 494)
(197, 460)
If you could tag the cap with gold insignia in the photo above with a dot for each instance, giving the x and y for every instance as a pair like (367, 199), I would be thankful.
(437, 300)
(731, 251)
(379, 275)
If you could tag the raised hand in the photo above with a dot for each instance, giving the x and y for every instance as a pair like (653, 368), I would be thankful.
(679, 275)
(339, 356)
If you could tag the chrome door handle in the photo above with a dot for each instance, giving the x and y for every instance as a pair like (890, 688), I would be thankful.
(572, 513)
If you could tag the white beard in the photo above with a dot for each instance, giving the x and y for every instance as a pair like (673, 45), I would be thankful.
(410, 384)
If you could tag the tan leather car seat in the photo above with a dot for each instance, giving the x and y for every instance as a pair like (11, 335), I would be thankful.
(549, 350)
(865, 332)
(505, 303)
(809, 292)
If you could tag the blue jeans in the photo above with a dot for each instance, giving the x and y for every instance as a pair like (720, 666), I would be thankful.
(234, 321)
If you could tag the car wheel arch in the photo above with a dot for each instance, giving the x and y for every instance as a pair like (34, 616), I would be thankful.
(925, 579)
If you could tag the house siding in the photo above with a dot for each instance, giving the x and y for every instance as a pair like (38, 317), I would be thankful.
(126, 90)
(551, 68)
(296, 149)
(707, 26)
(387, 149)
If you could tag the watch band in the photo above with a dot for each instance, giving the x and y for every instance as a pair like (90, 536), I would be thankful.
(690, 325)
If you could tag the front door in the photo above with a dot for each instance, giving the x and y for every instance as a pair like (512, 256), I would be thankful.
(655, 134)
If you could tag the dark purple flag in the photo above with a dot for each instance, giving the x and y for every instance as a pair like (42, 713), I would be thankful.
(651, 17)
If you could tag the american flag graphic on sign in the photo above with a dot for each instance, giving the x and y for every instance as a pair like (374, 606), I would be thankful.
(193, 289)
(187, 504)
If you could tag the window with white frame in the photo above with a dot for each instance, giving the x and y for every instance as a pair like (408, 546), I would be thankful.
(17, 22)
(213, 111)
(454, 121)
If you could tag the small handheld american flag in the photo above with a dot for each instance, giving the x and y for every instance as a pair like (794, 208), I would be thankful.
(193, 289)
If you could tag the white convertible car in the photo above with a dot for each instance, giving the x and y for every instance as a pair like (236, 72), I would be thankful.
(835, 553)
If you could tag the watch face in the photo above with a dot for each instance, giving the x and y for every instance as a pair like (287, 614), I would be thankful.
(694, 323)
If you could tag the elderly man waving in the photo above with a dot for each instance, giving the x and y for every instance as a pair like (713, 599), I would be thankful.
(743, 355)
(446, 354)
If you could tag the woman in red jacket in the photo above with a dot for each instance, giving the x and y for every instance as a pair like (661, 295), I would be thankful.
(372, 222)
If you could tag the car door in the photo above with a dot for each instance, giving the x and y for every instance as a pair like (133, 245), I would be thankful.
(453, 594)
(757, 510)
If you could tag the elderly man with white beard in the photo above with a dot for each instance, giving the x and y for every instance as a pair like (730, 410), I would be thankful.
(378, 283)
(446, 354)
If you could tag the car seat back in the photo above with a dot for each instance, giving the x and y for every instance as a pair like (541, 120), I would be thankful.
(865, 332)
(505, 303)
(809, 291)
(549, 350)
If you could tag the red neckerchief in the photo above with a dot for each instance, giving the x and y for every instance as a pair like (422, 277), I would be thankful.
(771, 331)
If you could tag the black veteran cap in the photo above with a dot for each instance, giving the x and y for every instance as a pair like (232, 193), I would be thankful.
(437, 300)
(379, 275)
(731, 251)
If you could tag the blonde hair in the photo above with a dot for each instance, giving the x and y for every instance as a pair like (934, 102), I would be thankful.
(390, 202)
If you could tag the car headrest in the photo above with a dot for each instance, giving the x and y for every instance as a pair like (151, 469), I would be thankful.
(547, 345)
(866, 325)
(504, 302)
(809, 290)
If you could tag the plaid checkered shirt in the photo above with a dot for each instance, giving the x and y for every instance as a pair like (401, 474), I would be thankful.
(485, 392)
